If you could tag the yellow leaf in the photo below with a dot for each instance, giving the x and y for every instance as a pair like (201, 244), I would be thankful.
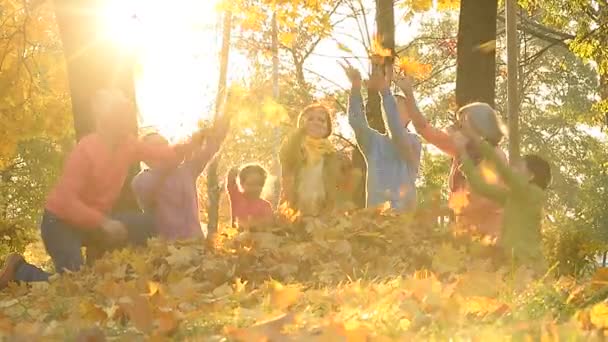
(487, 47)
(379, 50)
(488, 172)
(287, 38)
(410, 67)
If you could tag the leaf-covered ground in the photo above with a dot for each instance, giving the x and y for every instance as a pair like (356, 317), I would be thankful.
(367, 277)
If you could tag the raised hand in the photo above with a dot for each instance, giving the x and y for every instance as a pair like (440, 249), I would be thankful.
(406, 84)
(377, 80)
(354, 76)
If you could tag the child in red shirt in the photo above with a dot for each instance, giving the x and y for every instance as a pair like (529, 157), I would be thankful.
(78, 211)
(248, 209)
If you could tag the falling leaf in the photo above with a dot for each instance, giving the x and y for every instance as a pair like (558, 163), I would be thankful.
(487, 47)
(344, 48)
(379, 50)
(410, 67)
(488, 172)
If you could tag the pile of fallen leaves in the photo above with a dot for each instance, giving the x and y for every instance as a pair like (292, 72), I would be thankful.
(358, 277)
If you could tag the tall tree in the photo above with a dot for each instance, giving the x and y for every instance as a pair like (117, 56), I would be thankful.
(93, 63)
(476, 62)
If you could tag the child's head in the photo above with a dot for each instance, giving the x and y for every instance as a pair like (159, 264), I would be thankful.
(316, 121)
(402, 108)
(156, 140)
(252, 178)
(538, 169)
(484, 120)
(114, 114)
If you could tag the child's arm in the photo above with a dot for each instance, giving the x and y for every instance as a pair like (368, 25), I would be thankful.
(356, 117)
(396, 128)
(506, 174)
(212, 145)
(438, 138)
(476, 181)
(147, 152)
(358, 121)
(231, 185)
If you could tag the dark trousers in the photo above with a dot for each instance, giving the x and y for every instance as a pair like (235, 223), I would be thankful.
(63, 242)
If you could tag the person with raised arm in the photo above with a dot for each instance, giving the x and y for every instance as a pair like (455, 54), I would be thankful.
(393, 158)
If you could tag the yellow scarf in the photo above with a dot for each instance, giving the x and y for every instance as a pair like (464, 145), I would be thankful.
(315, 149)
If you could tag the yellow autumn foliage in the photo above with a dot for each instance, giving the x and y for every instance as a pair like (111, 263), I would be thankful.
(34, 97)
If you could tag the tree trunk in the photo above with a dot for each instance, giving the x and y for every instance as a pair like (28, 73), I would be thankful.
(93, 64)
(385, 28)
(213, 189)
(476, 67)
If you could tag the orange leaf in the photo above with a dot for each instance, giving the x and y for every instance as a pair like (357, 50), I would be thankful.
(413, 68)
(379, 50)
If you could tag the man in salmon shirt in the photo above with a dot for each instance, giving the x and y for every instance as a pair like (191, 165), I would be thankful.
(473, 212)
(78, 210)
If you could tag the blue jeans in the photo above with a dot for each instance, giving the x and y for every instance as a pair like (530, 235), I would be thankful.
(63, 242)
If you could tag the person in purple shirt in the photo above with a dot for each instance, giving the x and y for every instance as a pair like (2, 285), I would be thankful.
(169, 194)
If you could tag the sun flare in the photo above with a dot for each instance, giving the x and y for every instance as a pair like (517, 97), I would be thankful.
(176, 47)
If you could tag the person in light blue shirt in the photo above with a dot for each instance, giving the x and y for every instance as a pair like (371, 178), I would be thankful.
(393, 158)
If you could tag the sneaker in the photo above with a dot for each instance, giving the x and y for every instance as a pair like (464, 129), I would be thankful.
(10, 267)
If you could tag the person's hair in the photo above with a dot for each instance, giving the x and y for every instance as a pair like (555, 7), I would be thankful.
(478, 108)
(540, 170)
(314, 107)
(250, 169)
